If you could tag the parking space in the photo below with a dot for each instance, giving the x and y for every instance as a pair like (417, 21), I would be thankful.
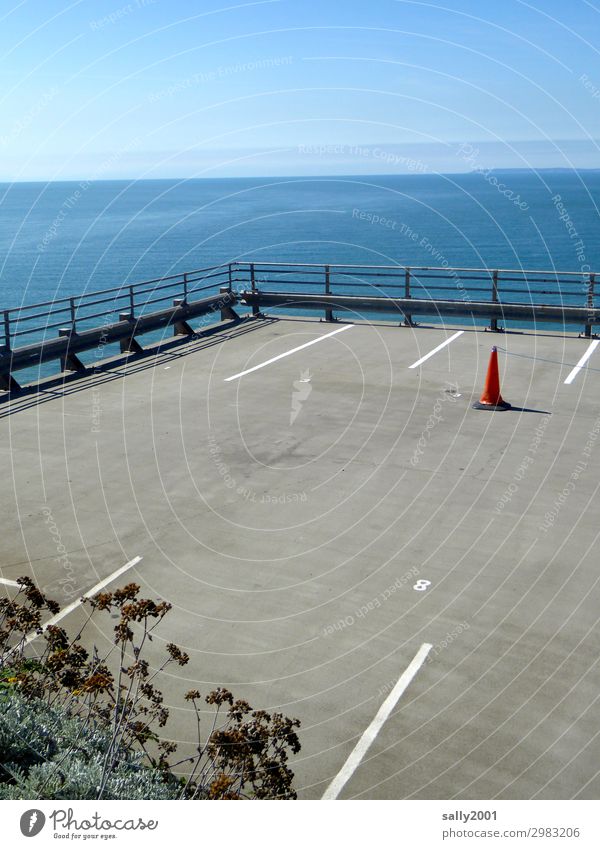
(318, 502)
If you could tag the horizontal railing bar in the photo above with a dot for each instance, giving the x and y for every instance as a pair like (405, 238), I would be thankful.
(365, 285)
(181, 273)
(298, 282)
(85, 306)
(416, 277)
(292, 269)
(85, 317)
(437, 287)
(470, 289)
(190, 278)
(79, 320)
(60, 346)
(543, 292)
(415, 268)
(427, 306)
(52, 303)
(172, 276)
(582, 278)
(414, 283)
(122, 287)
(153, 289)
(103, 314)
(442, 288)
(485, 279)
(46, 314)
(39, 329)
(397, 276)
(177, 283)
(155, 280)
(150, 301)
(201, 288)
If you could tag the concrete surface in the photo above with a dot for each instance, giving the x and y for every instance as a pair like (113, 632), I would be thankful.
(288, 515)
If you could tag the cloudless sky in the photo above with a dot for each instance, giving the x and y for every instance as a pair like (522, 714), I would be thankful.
(168, 88)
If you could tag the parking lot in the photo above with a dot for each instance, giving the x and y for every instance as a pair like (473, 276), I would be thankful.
(343, 539)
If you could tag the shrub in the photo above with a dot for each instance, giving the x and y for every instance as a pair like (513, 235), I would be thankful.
(48, 754)
(81, 726)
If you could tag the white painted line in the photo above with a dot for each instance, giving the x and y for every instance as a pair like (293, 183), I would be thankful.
(573, 374)
(71, 607)
(8, 583)
(363, 745)
(439, 348)
(293, 351)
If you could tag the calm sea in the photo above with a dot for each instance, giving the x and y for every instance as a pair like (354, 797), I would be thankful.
(68, 238)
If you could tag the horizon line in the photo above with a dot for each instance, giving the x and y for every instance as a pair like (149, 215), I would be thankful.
(174, 178)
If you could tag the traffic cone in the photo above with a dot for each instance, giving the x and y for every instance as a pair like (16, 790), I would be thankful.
(491, 399)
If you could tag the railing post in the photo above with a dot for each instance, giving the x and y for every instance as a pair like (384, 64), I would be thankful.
(494, 321)
(7, 381)
(7, 329)
(407, 318)
(185, 287)
(328, 311)
(72, 308)
(590, 303)
(255, 306)
(230, 278)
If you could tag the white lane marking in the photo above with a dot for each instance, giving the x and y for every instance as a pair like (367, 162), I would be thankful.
(363, 745)
(71, 607)
(573, 374)
(439, 348)
(293, 351)
(8, 583)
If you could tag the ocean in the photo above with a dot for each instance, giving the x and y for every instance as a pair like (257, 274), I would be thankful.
(66, 238)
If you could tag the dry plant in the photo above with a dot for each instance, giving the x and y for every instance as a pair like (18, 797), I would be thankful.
(244, 754)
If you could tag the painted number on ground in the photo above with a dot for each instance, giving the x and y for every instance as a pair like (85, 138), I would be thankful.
(421, 586)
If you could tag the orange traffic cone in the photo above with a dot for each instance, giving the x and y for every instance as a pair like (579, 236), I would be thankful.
(491, 399)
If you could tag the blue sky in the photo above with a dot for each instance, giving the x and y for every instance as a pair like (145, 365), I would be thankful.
(167, 88)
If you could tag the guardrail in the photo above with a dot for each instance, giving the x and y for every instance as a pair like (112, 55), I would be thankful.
(119, 314)
(497, 294)
(84, 322)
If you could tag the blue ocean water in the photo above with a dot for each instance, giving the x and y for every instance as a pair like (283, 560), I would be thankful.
(67, 238)
(59, 239)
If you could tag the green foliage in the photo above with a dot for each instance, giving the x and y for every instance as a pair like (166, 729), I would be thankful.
(47, 754)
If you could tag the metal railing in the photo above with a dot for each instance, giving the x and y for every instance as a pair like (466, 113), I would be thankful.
(497, 294)
(60, 328)
(94, 308)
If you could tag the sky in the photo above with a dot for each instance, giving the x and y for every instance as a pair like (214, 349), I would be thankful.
(176, 89)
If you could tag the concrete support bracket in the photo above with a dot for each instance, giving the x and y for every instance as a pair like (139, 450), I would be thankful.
(129, 345)
(181, 327)
(227, 312)
(8, 383)
(69, 361)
